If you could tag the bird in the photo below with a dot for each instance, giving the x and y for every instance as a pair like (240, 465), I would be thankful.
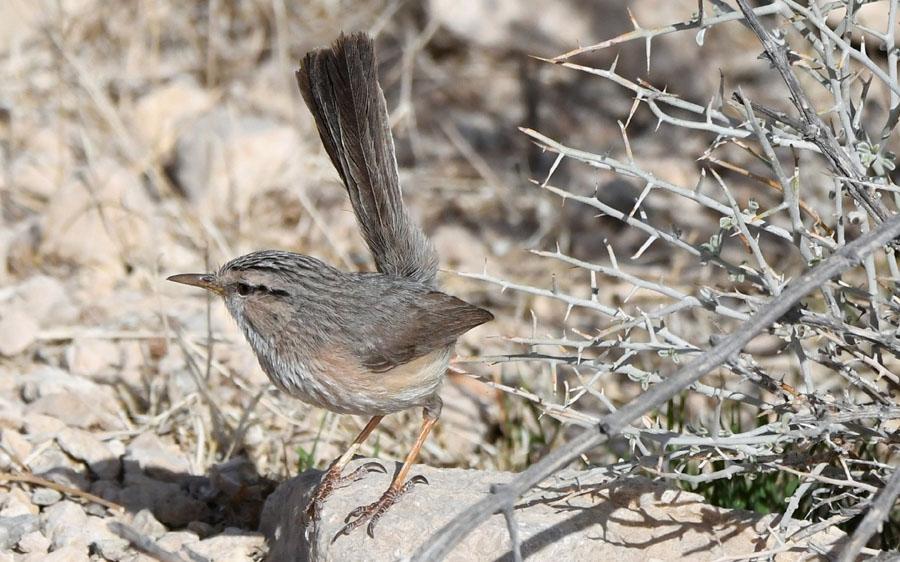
(368, 343)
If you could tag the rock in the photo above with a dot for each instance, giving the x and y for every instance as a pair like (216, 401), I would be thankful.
(46, 300)
(65, 524)
(12, 529)
(41, 427)
(173, 541)
(18, 331)
(74, 400)
(85, 447)
(156, 458)
(96, 532)
(113, 549)
(17, 502)
(11, 409)
(164, 109)
(46, 380)
(69, 553)
(576, 515)
(45, 497)
(145, 523)
(34, 543)
(51, 463)
(47, 150)
(91, 357)
(78, 233)
(77, 409)
(16, 444)
(234, 545)
(239, 155)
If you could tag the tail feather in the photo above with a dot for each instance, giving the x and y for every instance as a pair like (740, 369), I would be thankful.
(340, 87)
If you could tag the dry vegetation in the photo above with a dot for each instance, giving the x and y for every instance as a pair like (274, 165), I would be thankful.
(144, 138)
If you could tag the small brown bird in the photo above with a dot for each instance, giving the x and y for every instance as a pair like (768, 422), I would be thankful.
(352, 342)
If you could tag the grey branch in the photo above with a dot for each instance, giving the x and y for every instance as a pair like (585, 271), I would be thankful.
(440, 544)
(876, 515)
(816, 129)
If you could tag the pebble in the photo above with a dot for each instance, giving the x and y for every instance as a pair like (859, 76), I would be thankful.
(92, 357)
(233, 545)
(17, 502)
(46, 300)
(65, 524)
(85, 447)
(74, 409)
(15, 443)
(40, 427)
(52, 464)
(157, 458)
(113, 549)
(45, 496)
(18, 331)
(34, 543)
(10, 407)
(68, 553)
(13, 528)
(174, 540)
(146, 523)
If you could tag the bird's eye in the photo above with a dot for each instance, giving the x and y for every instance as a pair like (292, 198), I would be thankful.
(244, 289)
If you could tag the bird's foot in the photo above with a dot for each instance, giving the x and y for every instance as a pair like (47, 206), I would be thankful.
(373, 512)
(333, 480)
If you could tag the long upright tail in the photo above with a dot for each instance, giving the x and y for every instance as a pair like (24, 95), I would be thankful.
(340, 86)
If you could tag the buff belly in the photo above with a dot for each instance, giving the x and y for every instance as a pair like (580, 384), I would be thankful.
(343, 386)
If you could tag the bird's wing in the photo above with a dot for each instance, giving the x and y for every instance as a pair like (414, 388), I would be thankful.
(411, 328)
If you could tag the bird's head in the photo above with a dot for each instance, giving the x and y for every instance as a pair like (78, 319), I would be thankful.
(261, 290)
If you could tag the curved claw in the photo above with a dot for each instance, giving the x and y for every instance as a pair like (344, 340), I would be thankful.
(373, 466)
(370, 528)
(418, 479)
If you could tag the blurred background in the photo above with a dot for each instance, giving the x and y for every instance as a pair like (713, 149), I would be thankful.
(144, 138)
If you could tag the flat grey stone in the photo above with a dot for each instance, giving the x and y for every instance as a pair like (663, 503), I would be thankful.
(13, 528)
(45, 496)
(574, 516)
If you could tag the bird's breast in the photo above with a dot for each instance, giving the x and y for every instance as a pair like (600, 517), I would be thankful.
(332, 380)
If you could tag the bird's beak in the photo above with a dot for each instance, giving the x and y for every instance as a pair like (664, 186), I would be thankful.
(204, 280)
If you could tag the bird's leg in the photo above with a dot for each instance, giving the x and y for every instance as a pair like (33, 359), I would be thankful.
(333, 479)
(400, 485)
